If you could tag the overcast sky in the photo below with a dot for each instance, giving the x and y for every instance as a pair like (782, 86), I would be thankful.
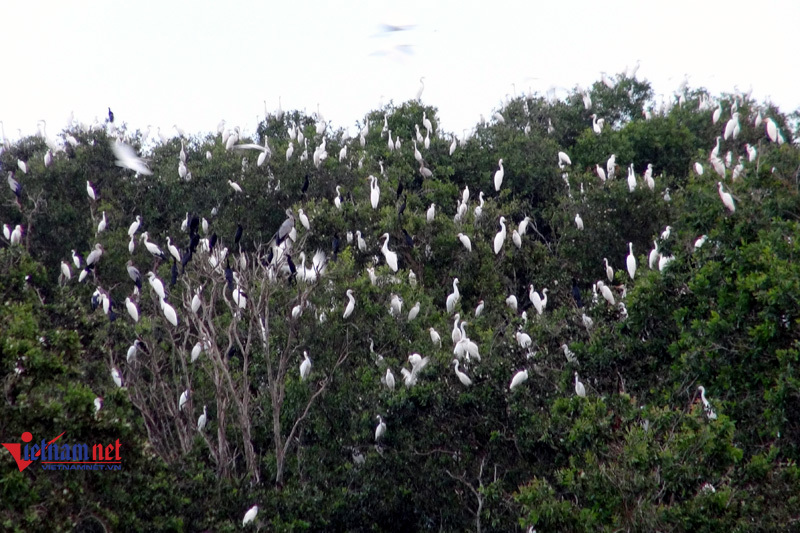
(195, 62)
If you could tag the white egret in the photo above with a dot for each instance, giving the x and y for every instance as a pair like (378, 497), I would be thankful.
(536, 300)
(648, 177)
(235, 186)
(412, 314)
(375, 192)
(239, 297)
(98, 404)
(66, 273)
(350, 305)
(362, 244)
(173, 250)
(523, 339)
(563, 160)
(90, 191)
(664, 261)
(431, 213)
(516, 239)
(479, 208)
(580, 390)
(197, 349)
(132, 310)
(698, 168)
(607, 294)
(587, 321)
(388, 379)
(151, 246)
(732, 127)
(453, 145)
(305, 366)
(631, 179)
(500, 238)
(101, 226)
(421, 88)
(465, 241)
(518, 379)
(652, 259)
(453, 297)
(479, 309)
(127, 158)
(706, 404)
(395, 305)
(600, 172)
(91, 259)
(579, 221)
(631, 261)
(511, 302)
(196, 300)
(700, 242)
(134, 227)
(390, 256)
(462, 377)
(250, 515)
(169, 313)
(157, 285)
(773, 132)
(726, 197)
(611, 166)
(116, 376)
(569, 354)
(522, 229)
(455, 335)
(435, 337)
(303, 219)
(498, 176)
(666, 233)
(380, 430)
(202, 419)
(609, 270)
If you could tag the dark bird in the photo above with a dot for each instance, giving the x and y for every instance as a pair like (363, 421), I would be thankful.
(110, 115)
(194, 240)
(576, 294)
(402, 208)
(212, 242)
(186, 258)
(409, 240)
(194, 223)
(292, 269)
(174, 273)
(399, 188)
(238, 236)
(335, 245)
(134, 274)
(305, 185)
(229, 273)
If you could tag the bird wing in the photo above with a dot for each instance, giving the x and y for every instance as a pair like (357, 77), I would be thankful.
(249, 147)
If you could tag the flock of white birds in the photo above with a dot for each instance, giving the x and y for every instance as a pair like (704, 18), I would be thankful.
(465, 351)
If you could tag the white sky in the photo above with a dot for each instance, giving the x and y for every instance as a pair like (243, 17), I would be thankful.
(195, 62)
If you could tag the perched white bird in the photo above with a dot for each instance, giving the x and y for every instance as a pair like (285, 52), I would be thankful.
(523, 339)
(479, 309)
(388, 379)
(202, 419)
(609, 270)
(116, 376)
(706, 404)
(606, 292)
(132, 310)
(90, 191)
(631, 261)
(235, 186)
(66, 273)
(169, 313)
(500, 238)
(698, 168)
(390, 256)
(196, 300)
(516, 239)
(727, 199)
(511, 302)
(412, 314)
(305, 366)
(134, 227)
(157, 285)
(700, 242)
(250, 515)
(652, 259)
(395, 305)
(453, 297)
(666, 233)
(518, 379)
(580, 390)
(579, 221)
(498, 176)
(563, 160)
(303, 219)
(465, 241)
(431, 213)
(350, 304)
(435, 337)
(380, 430)
(375, 192)
(462, 377)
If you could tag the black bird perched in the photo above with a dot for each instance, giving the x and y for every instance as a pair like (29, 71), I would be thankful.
(194, 240)
(194, 223)
(238, 236)
(399, 188)
(110, 115)
(305, 185)
(292, 269)
(270, 257)
(576, 293)
(335, 245)
(229, 273)
(402, 207)
(185, 258)
(133, 272)
(409, 240)
(212, 242)
(174, 273)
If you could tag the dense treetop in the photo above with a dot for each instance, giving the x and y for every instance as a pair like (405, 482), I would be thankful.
(606, 426)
